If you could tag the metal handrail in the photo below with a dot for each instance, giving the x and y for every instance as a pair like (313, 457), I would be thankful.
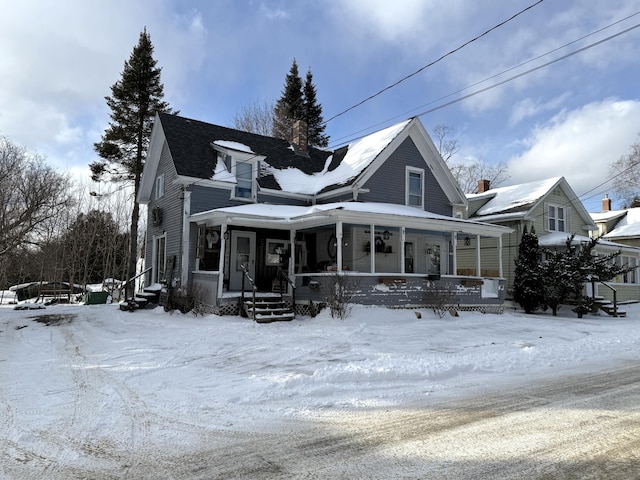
(247, 275)
(615, 300)
(282, 274)
(124, 284)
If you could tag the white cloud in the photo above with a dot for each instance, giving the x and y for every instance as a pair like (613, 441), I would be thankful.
(528, 108)
(579, 144)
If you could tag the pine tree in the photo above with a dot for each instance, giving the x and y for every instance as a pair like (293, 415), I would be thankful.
(134, 101)
(527, 285)
(290, 106)
(312, 114)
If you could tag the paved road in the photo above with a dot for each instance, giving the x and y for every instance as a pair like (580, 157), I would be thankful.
(580, 427)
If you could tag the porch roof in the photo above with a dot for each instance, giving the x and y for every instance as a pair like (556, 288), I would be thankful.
(298, 217)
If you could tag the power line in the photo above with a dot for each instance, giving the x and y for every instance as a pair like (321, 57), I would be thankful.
(433, 62)
(507, 80)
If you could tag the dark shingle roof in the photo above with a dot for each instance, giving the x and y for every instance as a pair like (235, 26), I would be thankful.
(190, 142)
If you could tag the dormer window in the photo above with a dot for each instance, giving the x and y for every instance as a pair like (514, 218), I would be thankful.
(246, 174)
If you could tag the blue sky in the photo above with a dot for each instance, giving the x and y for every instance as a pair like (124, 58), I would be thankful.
(571, 118)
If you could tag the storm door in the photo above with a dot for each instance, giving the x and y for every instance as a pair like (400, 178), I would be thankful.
(243, 252)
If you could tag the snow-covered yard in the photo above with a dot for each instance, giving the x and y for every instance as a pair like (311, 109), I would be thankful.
(93, 389)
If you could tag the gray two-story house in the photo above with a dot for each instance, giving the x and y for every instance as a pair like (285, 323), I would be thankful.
(231, 211)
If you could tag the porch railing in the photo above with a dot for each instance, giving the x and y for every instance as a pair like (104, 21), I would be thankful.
(122, 287)
(284, 276)
(247, 276)
(614, 292)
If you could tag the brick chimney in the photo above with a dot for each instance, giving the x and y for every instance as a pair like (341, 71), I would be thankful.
(300, 137)
(483, 186)
(606, 203)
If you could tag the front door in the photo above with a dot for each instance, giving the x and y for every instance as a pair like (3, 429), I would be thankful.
(243, 252)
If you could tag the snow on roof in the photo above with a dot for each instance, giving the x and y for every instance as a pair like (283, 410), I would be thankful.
(359, 155)
(559, 239)
(629, 226)
(288, 213)
(240, 147)
(606, 216)
(507, 198)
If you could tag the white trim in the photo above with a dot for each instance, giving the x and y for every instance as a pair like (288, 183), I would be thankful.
(184, 264)
(407, 191)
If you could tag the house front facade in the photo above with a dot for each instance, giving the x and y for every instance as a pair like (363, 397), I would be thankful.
(230, 212)
(554, 211)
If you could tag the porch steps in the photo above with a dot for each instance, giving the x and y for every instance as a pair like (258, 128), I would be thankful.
(148, 296)
(607, 307)
(267, 311)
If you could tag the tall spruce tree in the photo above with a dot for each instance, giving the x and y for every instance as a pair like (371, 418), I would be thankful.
(312, 114)
(527, 284)
(134, 101)
(299, 102)
(290, 106)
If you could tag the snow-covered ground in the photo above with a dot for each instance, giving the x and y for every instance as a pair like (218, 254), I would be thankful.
(80, 382)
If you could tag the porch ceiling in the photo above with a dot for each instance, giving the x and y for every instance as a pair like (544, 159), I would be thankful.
(288, 217)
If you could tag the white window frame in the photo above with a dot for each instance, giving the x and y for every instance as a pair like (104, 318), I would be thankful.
(630, 277)
(408, 194)
(160, 186)
(254, 179)
(555, 218)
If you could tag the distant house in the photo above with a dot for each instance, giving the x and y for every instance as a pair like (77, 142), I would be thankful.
(553, 209)
(229, 210)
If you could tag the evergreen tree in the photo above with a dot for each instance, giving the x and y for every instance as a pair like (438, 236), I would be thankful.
(312, 114)
(134, 101)
(527, 291)
(290, 107)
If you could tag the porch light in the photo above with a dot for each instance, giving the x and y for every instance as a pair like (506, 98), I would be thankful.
(467, 241)
(226, 235)
(386, 234)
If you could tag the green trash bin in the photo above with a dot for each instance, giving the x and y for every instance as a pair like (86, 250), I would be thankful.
(96, 298)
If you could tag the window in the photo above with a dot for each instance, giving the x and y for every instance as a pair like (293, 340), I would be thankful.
(160, 186)
(557, 218)
(415, 187)
(277, 252)
(208, 248)
(631, 275)
(245, 173)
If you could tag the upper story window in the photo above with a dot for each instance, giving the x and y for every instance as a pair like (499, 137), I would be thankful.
(246, 175)
(557, 218)
(160, 186)
(415, 187)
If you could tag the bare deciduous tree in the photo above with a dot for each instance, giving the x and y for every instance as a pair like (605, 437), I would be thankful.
(31, 194)
(256, 117)
(467, 174)
(627, 172)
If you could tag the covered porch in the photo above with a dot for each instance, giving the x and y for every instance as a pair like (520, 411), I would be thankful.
(384, 254)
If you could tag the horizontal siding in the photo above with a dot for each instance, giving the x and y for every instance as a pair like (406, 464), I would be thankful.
(387, 184)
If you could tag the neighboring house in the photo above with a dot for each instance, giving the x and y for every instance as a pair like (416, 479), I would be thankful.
(553, 209)
(621, 226)
(226, 206)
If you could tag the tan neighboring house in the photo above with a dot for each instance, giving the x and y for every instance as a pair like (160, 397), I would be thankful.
(553, 209)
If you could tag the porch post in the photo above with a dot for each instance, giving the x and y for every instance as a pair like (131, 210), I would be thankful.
(500, 269)
(292, 253)
(372, 248)
(186, 226)
(403, 237)
(223, 248)
(454, 248)
(478, 267)
(339, 242)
